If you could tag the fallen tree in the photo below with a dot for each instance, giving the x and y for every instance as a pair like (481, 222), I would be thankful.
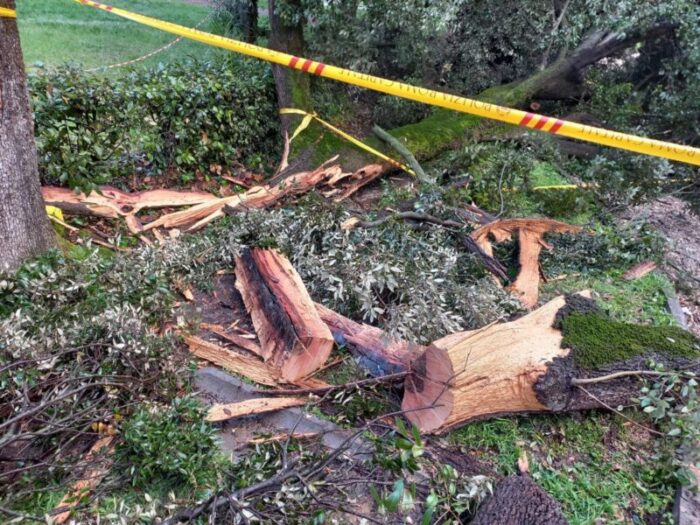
(561, 80)
(566, 355)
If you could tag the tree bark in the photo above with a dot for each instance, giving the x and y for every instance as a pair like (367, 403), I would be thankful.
(248, 14)
(526, 366)
(25, 230)
(293, 86)
(563, 79)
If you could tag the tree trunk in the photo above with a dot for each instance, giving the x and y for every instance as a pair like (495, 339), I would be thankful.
(443, 129)
(564, 356)
(249, 20)
(25, 230)
(293, 86)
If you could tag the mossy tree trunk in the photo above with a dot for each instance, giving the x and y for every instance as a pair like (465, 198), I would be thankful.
(561, 80)
(293, 86)
(25, 230)
(565, 356)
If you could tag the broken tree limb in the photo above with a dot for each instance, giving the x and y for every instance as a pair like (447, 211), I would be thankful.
(527, 365)
(292, 336)
(403, 150)
(111, 203)
(329, 388)
(361, 178)
(249, 367)
(379, 354)
(257, 197)
(249, 407)
(531, 240)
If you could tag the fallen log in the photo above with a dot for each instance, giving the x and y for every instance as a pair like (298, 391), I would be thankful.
(379, 354)
(250, 407)
(531, 240)
(293, 339)
(539, 363)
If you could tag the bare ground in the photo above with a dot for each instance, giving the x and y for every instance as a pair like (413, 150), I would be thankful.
(680, 226)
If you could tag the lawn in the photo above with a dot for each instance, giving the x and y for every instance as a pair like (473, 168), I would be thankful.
(57, 32)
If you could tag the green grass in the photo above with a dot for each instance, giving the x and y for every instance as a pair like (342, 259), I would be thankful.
(593, 466)
(58, 32)
(639, 301)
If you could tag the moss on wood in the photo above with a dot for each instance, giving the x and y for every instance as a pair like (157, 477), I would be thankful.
(597, 341)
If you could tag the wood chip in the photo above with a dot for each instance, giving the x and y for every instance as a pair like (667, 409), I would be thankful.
(639, 270)
(250, 407)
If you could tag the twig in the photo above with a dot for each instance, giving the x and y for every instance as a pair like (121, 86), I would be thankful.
(577, 381)
(403, 150)
(604, 404)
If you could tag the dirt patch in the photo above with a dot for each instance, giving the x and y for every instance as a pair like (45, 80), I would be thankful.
(674, 219)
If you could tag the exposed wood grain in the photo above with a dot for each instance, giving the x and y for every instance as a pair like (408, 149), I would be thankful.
(380, 354)
(250, 407)
(486, 372)
(531, 240)
(236, 339)
(249, 367)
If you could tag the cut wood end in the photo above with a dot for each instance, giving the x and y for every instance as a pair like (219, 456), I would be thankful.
(427, 400)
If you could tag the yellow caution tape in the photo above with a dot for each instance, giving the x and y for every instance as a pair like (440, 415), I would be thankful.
(6, 12)
(53, 211)
(308, 117)
(479, 108)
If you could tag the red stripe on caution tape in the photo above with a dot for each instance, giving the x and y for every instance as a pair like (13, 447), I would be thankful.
(540, 123)
(558, 124)
(526, 119)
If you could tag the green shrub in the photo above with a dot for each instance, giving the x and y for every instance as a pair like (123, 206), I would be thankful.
(173, 445)
(92, 129)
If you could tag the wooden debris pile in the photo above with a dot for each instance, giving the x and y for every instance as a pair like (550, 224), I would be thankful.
(201, 208)
(520, 366)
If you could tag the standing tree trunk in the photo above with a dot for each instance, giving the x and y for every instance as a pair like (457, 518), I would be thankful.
(293, 86)
(248, 19)
(24, 227)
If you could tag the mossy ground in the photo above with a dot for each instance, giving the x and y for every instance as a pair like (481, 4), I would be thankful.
(597, 341)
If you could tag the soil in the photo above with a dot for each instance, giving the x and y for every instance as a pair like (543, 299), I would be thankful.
(675, 221)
